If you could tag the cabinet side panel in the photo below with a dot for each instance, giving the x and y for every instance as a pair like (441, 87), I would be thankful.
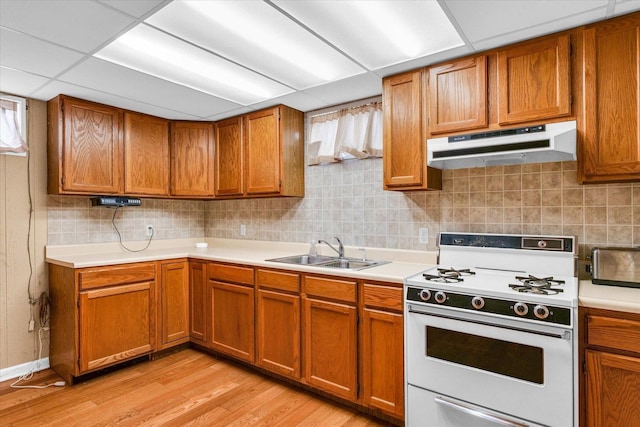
(63, 352)
(292, 141)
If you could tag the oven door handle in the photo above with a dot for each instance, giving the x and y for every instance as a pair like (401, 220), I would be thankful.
(476, 412)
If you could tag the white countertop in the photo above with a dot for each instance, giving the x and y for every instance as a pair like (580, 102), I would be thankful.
(609, 297)
(402, 263)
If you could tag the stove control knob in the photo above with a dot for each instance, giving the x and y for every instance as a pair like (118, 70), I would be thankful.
(477, 303)
(425, 295)
(521, 309)
(440, 297)
(541, 311)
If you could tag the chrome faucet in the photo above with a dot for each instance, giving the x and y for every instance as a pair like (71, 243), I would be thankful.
(340, 249)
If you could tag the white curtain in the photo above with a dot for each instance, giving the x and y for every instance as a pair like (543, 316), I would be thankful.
(11, 138)
(346, 134)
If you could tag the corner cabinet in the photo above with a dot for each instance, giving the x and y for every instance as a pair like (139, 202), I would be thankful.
(611, 385)
(84, 148)
(100, 316)
(610, 124)
(192, 159)
(405, 150)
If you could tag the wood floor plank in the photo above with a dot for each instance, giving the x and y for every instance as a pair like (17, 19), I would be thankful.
(186, 388)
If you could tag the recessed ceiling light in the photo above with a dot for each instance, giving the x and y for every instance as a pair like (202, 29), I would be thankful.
(258, 36)
(151, 51)
(378, 33)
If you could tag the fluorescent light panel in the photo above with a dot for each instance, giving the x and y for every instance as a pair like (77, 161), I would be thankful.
(255, 34)
(378, 33)
(150, 51)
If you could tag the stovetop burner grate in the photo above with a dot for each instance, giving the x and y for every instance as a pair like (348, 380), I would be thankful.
(537, 285)
(449, 275)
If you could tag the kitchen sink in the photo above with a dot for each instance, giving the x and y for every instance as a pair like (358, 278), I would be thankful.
(328, 261)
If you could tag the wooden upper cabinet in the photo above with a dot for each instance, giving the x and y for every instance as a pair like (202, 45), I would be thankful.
(609, 125)
(274, 152)
(228, 157)
(405, 157)
(457, 94)
(191, 159)
(146, 154)
(84, 147)
(534, 80)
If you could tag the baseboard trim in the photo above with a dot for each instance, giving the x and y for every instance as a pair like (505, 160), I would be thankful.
(19, 370)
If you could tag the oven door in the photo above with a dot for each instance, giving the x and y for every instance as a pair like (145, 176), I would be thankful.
(512, 369)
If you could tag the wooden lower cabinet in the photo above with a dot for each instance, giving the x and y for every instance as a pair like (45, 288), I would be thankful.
(101, 316)
(381, 351)
(231, 311)
(173, 303)
(278, 322)
(610, 387)
(330, 336)
(198, 302)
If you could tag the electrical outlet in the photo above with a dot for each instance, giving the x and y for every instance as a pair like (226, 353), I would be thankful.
(243, 230)
(149, 229)
(423, 235)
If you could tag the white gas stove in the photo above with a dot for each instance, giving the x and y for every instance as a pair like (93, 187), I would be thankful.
(493, 323)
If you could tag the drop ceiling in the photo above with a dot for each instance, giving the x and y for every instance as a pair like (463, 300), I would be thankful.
(251, 54)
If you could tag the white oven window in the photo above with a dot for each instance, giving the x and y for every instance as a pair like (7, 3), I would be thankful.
(515, 360)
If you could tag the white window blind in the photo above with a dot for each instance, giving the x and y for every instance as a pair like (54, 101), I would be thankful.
(13, 125)
(349, 133)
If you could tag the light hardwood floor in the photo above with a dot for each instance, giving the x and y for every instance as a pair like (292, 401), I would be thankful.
(186, 388)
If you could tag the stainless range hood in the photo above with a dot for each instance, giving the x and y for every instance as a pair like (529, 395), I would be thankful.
(553, 142)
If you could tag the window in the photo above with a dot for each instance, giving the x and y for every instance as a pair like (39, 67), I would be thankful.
(350, 133)
(13, 125)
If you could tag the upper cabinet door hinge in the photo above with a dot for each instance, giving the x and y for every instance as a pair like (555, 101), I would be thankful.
(570, 49)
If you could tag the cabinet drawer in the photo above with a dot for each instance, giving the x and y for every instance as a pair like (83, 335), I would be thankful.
(96, 277)
(615, 333)
(278, 280)
(231, 273)
(340, 290)
(382, 296)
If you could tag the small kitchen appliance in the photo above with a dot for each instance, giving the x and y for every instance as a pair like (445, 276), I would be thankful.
(490, 333)
(616, 266)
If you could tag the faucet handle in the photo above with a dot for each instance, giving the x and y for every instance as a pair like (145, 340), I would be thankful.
(364, 253)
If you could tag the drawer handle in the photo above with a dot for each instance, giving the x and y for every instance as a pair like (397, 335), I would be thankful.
(476, 412)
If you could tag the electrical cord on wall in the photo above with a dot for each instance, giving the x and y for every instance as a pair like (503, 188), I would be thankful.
(113, 222)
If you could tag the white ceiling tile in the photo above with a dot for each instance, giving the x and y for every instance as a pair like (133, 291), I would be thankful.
(358, 87)
(484, 19)
(18, 82)
(56, 88)
(230, 113)
(107, 77)
(626, 6)
(26, 53)
(424, 61)
(81, 25)
(298, 100)
(137, 8)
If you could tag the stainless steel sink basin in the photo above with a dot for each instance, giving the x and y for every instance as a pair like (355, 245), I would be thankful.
(328, 262)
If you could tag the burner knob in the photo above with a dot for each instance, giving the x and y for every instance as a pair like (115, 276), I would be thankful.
(477, 303)
(521, 309)
(441, 297)
(541, 311)
(425, 295)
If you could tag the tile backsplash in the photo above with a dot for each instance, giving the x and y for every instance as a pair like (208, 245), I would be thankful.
(346, 199)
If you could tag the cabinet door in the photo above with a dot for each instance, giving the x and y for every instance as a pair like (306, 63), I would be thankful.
(534, 81)
(278, 329)
(92, 147)
(382, 361)
(330, 356)
(262, 156)
(115, 324)
(232, 319)
(405, 150)
(174, 303)
(458, 95)
(613, 390)
(146, 154)
(198, 301)
(229, 168)
(611, 130)
(191, 159)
